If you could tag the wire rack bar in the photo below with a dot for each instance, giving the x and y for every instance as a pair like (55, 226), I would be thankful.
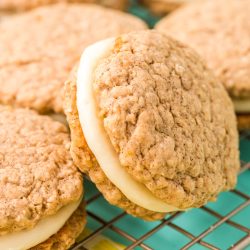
(98, 231)
(216, 225)
(245, 166)
(154, 230)
(93, 198)
(118, 230)
(191, 236)
(241, 243)
(243, 195)
(232, 223)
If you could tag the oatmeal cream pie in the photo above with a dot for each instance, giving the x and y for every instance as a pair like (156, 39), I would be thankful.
(151, 125)
(39, 48)
(220, 32)
(41, 204)
(24, 5)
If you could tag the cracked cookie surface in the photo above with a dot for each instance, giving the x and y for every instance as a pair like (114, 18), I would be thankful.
(87, 163)
(220, 32)
(169, 119)
(22, 5)
(37, 175)
(32, 74)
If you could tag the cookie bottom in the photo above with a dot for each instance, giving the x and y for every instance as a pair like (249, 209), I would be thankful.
(243, 121)
(68, 234)
(87, 163)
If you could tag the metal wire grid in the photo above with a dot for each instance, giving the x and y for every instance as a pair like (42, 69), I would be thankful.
(138, 242)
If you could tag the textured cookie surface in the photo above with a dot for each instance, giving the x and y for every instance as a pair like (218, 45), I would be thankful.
(67, 235)
(86, 161)
(170, 121)
(32, 74)
(163, 6)
(20, 5)
(220, 32)
(37, 175)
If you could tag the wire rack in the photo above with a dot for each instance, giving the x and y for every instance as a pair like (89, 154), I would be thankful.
(139, 243)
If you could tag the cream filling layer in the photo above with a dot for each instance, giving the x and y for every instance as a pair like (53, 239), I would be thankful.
(98, 140)
(47, 227)
(241, 105)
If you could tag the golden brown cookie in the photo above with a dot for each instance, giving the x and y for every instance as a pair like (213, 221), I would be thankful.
(38, 180)
(165, 124)
(23, 5)
(68, 234)
(220, 32)
(35, 64)
(161, 7)
(84, 159)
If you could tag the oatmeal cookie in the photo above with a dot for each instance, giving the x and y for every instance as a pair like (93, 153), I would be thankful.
(220, 32)
(40, 186)
(160, 116)
(24, 5)
(35, 64)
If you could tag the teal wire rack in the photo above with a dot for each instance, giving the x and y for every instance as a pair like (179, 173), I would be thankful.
(224, 224)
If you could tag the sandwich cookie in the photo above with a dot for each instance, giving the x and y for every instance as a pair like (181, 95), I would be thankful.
(24, 5)
(41, 190)
(32, 74)
(151, 125)
(220, 32)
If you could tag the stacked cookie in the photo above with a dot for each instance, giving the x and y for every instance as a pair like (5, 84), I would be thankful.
(151, 125)
(24, 5)
(41, 190)
(41, 200)
(149, 122)
(220, 32)
(36, 63)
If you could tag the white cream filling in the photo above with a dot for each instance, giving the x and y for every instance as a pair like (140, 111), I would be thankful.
(97, 138)
(47, 227)
(241, 105)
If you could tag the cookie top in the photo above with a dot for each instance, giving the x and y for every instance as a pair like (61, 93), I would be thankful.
(87, 163)
(161, 7)
(168, 118)
(37, 176)
(21, 5)
(220, 32)
(32, 74)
